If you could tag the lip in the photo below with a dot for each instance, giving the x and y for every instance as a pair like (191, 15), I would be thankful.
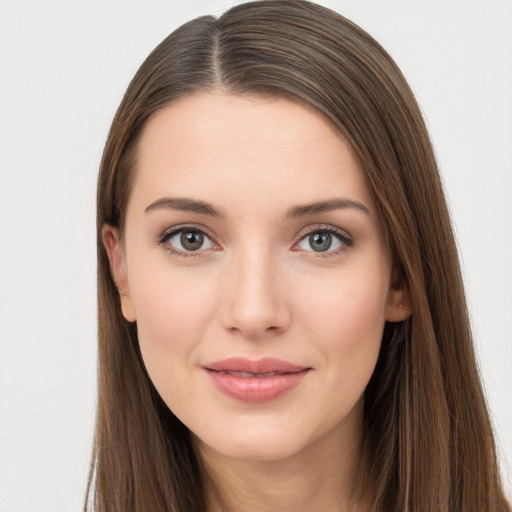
(255, 380)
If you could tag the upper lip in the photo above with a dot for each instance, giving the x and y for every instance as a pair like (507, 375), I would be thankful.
(264, 365)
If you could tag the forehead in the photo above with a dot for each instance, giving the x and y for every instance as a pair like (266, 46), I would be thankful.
(219, 146)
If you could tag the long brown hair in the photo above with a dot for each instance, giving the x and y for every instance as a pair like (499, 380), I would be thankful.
(426, 424)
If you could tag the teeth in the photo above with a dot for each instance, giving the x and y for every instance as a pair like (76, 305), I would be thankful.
(246, 374)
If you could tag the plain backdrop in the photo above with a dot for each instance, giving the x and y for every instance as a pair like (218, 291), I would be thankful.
(63, 69)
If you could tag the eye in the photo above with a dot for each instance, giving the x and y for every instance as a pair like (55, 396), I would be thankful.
(324, 240)
(186, 240)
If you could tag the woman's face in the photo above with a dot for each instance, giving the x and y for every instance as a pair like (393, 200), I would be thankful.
(256, 267)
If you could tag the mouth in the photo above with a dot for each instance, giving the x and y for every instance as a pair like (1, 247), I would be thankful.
(263, 367)
(255, 381)
(249, 374)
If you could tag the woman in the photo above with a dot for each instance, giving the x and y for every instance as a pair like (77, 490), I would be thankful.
(282, 323)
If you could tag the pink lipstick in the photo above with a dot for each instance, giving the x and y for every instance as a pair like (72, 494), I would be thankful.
(255, 381)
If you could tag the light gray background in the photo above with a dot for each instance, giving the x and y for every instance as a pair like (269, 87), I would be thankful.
(63, 69)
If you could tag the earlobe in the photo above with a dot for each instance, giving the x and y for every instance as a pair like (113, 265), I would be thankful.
(398, 306)
(112, 244)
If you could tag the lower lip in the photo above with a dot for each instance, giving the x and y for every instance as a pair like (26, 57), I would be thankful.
(256, 389)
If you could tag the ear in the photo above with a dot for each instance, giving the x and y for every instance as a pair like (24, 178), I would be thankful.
(115, 252)
(398, 306)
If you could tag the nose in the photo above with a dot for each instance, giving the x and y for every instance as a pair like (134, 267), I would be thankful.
(254, 302)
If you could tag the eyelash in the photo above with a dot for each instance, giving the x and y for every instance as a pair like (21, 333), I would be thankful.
(346, 241)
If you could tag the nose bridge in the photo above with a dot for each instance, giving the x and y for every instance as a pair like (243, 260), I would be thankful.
(254, 304)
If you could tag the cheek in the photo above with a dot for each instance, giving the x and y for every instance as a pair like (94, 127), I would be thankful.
(173, 309)
(350, 307)
(346, 318)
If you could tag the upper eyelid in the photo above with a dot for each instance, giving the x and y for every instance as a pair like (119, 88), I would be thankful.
(168, 232)
(322, 227)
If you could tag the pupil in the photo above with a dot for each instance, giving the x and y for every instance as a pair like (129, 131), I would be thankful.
(320, 242)
(191, 240)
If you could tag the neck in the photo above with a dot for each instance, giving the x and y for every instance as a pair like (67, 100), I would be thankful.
(325, 476)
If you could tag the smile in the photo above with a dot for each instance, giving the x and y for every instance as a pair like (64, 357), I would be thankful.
(255, 381)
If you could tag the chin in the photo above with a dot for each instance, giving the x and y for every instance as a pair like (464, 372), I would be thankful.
(251, 450)
(256, 442)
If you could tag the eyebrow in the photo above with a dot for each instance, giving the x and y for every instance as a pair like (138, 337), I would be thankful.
(193, 205)
(325, 206)
(184, 204)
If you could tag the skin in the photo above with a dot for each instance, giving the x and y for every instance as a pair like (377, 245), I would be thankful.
(257, 288)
